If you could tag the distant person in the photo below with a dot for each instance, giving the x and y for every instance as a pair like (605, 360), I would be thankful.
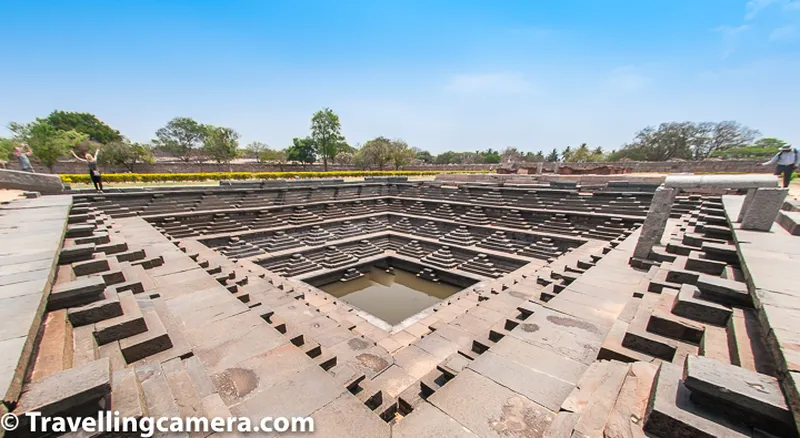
(94, 172)
(787, 160)
(22, 152)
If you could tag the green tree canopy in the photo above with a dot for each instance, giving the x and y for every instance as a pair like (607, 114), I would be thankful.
(376, 153)
(401, 154)
(424, 156)
(47, 142)
(221, 144)
(685, 140)
(181, 138)
(127, 154)
(326, 133)
(302, 150)
(553, 156)
(84, 123)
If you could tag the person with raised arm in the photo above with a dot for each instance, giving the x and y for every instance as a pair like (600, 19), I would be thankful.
(94, 172)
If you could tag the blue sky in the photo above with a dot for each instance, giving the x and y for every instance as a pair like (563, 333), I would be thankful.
(460, 75)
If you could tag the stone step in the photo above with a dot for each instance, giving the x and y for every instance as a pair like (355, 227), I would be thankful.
(690, 304)
(721, 252)
(152, 341)
(595, 396)
(750, 397)
(76, 293)
(92, 266)
(130, 323)
(612, 348)
(666, 324)
(76, 253)
(126, 394)
(84, 347)
(714, 344)
(54, 351)
(62, 393)
(97, 311)
(138, 274)
(187, 399)
(157, 395)
(724, 291)
(671, 412)
(745, 343)
(627, 415)
(790, 221)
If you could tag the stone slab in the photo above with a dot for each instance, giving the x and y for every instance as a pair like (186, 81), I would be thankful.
(671, 413)
(541, 388)
(756, 398)
(426, 421)
(489, 409)
(60, 392)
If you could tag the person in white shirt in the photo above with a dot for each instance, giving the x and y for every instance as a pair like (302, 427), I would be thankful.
(787, 159)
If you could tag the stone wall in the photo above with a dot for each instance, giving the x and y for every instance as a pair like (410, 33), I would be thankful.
(709, 166)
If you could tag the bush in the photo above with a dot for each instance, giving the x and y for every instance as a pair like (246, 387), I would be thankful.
(217, 176)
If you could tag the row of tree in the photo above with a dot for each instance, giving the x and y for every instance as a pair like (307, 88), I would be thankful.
(183, 138)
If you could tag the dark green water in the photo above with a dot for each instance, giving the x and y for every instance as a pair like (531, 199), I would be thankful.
(390, 297)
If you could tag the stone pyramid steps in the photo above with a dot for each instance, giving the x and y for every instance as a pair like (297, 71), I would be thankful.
(130, 323)
(154, 340)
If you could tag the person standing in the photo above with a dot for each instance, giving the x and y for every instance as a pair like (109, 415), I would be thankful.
(23, 156)
(787, 160)
(94, 172)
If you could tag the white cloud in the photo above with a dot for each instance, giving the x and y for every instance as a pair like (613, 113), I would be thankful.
(783, 33)
(730, 30)
(755, 6)
(626, 79)
(502, 82)
(731, 36)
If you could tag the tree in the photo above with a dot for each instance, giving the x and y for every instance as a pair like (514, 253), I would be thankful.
(376, 153)
(7, 146)
(84, 123)
(126, 154)
(46, 141)
(721, 136)
(530, 157)
(345, 158)
(401, 154)
(763, 148)
(448, 157)
(254, 150)
(181, 138)
(511, 154)
(272, 155)
(325, 131)
(566, 155)
(489, 156)
(424, 156)
(302, 150)
(553, 156)
(685, 140)
(221, 144)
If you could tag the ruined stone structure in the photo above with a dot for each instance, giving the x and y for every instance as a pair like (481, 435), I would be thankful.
(199, 302)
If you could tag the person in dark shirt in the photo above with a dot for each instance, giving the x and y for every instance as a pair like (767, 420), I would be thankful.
(94, 172)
